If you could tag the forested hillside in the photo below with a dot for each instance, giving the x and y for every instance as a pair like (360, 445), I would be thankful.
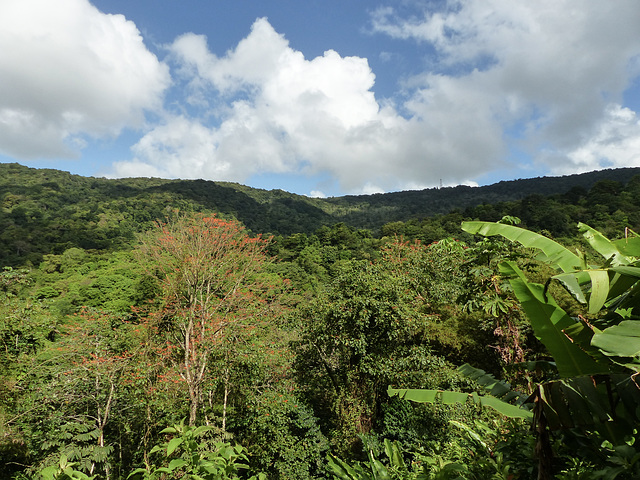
(158, 329)
(48, 211)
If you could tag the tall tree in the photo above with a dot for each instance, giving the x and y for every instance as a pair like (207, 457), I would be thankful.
(209, 271)
(378, 323)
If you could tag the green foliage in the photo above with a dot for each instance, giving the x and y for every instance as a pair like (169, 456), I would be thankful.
(502, 398)
(214, 293)
(98, 388)
(190, 456)
(284, 436)
(46, 211)
(379, 323)
(65, 470)
(595, 392)
(480, 451)
(373, 469)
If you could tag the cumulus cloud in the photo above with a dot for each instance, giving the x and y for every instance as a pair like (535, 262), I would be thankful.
(282, 113)
(544, 78)
(550, 72)
(615, 143)
(278, 111)
(68, 70)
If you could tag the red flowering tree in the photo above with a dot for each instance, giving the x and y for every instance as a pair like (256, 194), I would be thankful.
(209, 271)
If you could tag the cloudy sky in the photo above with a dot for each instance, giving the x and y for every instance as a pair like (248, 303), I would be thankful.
(321, 97)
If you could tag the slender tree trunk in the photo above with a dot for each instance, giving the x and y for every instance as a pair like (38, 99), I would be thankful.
(194, 403)
(226, 394)
(544, 452)
(103, 417)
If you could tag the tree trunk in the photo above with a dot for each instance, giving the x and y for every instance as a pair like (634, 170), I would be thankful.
(226, 397)
(544, 452)
(194, 401)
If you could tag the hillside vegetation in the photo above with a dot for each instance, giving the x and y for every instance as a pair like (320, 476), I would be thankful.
(161, 329)
(48, 211)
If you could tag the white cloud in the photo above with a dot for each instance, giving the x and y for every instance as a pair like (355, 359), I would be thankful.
(551, 72)
(545, 78)
(282, 113)
(69, 70)
(616, 143)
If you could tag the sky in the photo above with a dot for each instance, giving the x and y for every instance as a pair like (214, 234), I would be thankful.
(321, 97)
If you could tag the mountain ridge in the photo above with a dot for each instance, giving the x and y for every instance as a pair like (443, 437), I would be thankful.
(48, 211)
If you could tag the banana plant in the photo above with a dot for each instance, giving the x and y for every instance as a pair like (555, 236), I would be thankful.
(597, 359)
(611, 291)
(501, 397)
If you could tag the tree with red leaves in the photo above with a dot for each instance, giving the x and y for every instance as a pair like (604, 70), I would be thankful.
(209, 271)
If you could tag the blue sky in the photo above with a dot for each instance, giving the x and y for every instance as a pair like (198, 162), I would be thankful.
(321, 98)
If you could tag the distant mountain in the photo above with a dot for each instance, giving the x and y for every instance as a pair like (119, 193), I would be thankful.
(47, 211)
(372, 211)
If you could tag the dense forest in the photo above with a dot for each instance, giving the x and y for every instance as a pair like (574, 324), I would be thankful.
(161, 329)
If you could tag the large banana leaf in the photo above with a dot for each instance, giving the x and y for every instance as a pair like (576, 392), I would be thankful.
(622, 340)
(599, 290)
(502, 398)
(448, 398)
(548, 321)
(628, 246)
(601, 244)
(554, 253)
(496, 388)
(593, 402)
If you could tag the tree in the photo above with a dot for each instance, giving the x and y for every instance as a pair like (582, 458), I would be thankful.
(378, 323)
(211, 289)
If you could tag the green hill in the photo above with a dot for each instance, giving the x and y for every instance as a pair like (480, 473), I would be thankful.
(48, 211)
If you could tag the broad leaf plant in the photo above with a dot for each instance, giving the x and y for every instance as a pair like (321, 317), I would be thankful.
(596, 356)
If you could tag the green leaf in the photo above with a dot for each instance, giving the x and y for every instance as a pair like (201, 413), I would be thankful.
(173, 444)
(629, 270)
(201, 430)
(495, 387)
(599, 290)
(622, 340)
(603, 245)
(446, 397)
(156, 448)
(395, 455)
(137, 471)
(380, 472)
(343, 470)
(628, 246)
(548, 321)
(472, 433)
(177, 463)
(553, 251)
(49, 473)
